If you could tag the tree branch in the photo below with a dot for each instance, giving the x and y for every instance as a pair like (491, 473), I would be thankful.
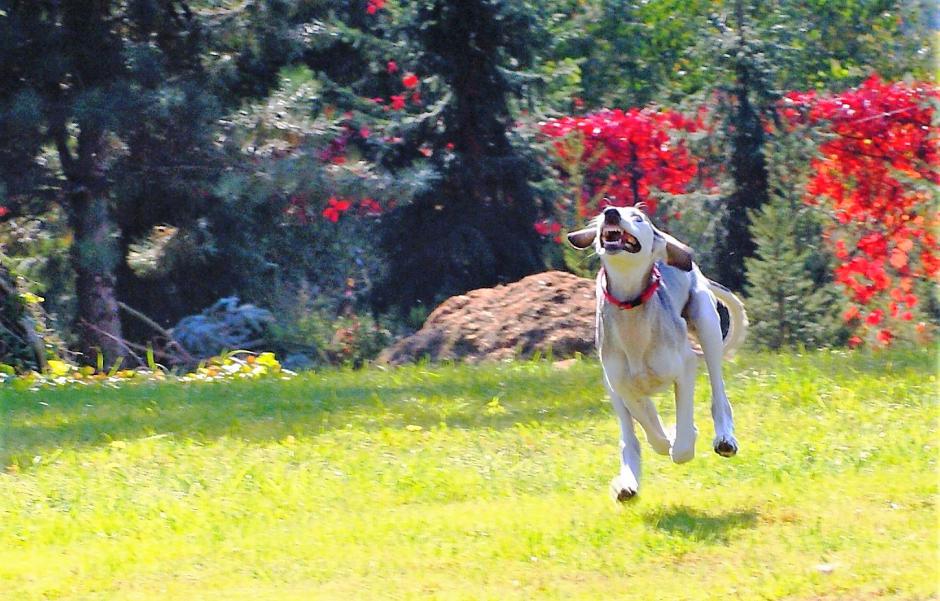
(159, 329)
(126, 344)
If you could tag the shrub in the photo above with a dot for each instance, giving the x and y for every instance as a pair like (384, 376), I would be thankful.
(876, 173)
(309, 333)
(27, 341)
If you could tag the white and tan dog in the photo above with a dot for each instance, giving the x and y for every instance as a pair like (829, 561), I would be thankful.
(650, 296)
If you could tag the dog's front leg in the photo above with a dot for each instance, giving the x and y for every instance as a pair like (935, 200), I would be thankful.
(627, 483)
(683, 448)
(704, 315)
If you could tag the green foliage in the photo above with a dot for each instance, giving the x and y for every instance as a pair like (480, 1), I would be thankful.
(786, 306)
(16, 350)
(629, 54)
(310, 334)
(835, 45)
(229, 367)
(36, 248)
(27, 338)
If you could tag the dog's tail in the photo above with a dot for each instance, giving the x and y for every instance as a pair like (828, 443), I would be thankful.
(737, 327)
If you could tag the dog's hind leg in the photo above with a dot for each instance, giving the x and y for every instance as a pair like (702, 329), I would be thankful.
(704, 315)
(627, 483)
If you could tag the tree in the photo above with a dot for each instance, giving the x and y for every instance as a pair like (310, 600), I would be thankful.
(626, 54)
(97, 100)
(786, 307)
(436, 78)
(474, 227)
(745, 98)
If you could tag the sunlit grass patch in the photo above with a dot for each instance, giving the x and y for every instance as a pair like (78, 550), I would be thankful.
(471, 482)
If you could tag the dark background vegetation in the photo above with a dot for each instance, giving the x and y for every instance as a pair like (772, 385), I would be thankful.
(157, 156)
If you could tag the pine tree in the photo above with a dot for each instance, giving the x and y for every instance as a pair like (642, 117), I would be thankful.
(475, 227)
(787, 307)
(437, 78)
(110, 110)
(746, 98)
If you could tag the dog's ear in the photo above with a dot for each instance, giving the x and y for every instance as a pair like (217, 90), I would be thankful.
(582, 239)
(677, 254)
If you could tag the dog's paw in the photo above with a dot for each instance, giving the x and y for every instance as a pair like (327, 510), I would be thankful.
(661, 446)
(682, 455)
(623, 488)
(726, 445)
(683, 448)
(682, 451)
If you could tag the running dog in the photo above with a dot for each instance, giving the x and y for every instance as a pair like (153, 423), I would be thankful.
(650, 298)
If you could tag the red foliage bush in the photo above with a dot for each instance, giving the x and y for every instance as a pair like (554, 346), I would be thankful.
(877, 173)
(619, 157)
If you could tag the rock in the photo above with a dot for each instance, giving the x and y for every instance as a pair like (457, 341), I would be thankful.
(546, 311)
(298, 362)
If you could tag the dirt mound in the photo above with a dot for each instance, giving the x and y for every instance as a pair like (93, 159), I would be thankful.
(552, 310)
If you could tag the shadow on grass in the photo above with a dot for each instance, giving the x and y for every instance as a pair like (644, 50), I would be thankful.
(698, 526)
(313, 404)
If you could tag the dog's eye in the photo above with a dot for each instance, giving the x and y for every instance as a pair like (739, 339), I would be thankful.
(637, 218)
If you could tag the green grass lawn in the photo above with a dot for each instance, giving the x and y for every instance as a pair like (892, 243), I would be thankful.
(460, 482)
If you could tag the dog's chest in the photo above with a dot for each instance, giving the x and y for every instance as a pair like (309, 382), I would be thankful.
(654, 346)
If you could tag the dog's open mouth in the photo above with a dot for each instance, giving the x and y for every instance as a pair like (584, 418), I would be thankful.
(615, 239)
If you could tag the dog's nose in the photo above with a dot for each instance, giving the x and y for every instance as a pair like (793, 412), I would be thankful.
(612, 216)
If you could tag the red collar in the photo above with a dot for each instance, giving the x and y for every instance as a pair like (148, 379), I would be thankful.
(644, 296)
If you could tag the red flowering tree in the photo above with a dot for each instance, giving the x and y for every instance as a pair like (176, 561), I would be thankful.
(876, 173)
(622, 158)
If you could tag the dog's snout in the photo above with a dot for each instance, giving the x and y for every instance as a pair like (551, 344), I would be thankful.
(612, 216)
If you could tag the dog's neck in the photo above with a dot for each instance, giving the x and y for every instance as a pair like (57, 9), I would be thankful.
(627, 283)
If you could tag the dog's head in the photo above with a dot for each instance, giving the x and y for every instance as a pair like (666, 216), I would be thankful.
(626, 235)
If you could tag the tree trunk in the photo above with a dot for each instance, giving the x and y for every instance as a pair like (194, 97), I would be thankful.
(94, 255)
(748, 171)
